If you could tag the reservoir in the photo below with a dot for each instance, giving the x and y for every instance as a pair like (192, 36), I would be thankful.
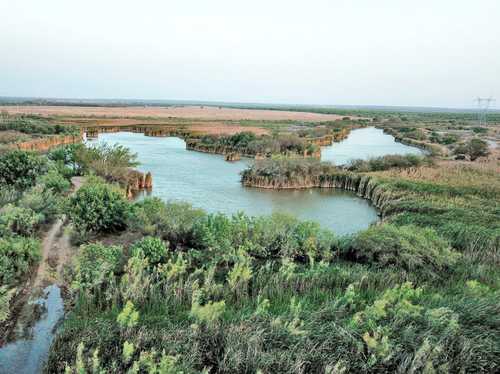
(208, 182)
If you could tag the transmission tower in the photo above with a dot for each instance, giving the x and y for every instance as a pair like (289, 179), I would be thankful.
(483, 104)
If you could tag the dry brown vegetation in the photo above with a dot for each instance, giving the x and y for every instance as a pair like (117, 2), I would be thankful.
(194, 112)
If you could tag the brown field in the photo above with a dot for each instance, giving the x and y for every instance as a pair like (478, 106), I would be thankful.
(184, 112)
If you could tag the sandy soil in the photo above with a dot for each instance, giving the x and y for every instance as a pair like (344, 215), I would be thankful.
(194, 112)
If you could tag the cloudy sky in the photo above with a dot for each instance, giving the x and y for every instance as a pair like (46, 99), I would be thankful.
(360, 52)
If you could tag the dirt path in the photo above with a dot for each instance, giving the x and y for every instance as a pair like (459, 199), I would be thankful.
(56, 253)
(55, 249)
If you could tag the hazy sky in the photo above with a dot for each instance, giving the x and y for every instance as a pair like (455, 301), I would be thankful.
(381, 52)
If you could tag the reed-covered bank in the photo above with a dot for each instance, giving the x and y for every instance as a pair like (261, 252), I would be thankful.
(463, 207)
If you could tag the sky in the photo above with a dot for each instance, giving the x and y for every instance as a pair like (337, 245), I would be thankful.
(441, 53)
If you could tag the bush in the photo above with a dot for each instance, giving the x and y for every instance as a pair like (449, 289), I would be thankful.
(407, 247)
(273, 236)
(387, 162)
(97, 207)
(41, 201)
(36, 125)
(55, 181)
(8, 195)
(17, 254)
(20, 169)
(474, 148)
(96, 264)
(112, 163)
(173, 222)
(19, 221)
(154, 249)
(65, 157)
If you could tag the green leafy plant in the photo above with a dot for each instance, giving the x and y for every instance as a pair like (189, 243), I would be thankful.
(97, 207)
(20, 169)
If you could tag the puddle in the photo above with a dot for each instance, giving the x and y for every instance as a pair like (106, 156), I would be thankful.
(28, 352)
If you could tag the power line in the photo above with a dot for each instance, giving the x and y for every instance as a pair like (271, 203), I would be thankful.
(483, 104)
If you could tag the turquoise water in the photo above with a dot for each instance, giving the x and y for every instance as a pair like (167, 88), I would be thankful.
(208, 182)
(363, 144)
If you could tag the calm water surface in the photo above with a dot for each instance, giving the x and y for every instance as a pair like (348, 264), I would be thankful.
(210, 183)
(363, 144)
(28, 354)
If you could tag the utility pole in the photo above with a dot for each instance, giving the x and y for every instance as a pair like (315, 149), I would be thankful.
(483, 104)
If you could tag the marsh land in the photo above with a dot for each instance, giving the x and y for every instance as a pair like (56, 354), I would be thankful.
(208, 239)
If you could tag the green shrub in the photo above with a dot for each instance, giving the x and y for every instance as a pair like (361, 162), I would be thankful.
(279, 235)
(20, 169)
(19, 220)
(65, 158)
(5, 297)
(112, 163)
(97, 207)
(36, 125)
(42, 201)
(407, 247)
(387, 162)
(55, 181)
(8, 195)
(154, 249)
(173, 222)
(96, 264)
(17, 255)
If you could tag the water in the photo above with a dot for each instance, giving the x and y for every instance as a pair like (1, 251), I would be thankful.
(208, 182)
(27, 355)
(363, 144)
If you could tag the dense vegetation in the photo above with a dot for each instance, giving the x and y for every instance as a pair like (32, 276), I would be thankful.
(179, 290)
(22, 128)
(162, 287)
(31, 195)
(277, 295)
(34, 125)
(248, 143)
(460, 201)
